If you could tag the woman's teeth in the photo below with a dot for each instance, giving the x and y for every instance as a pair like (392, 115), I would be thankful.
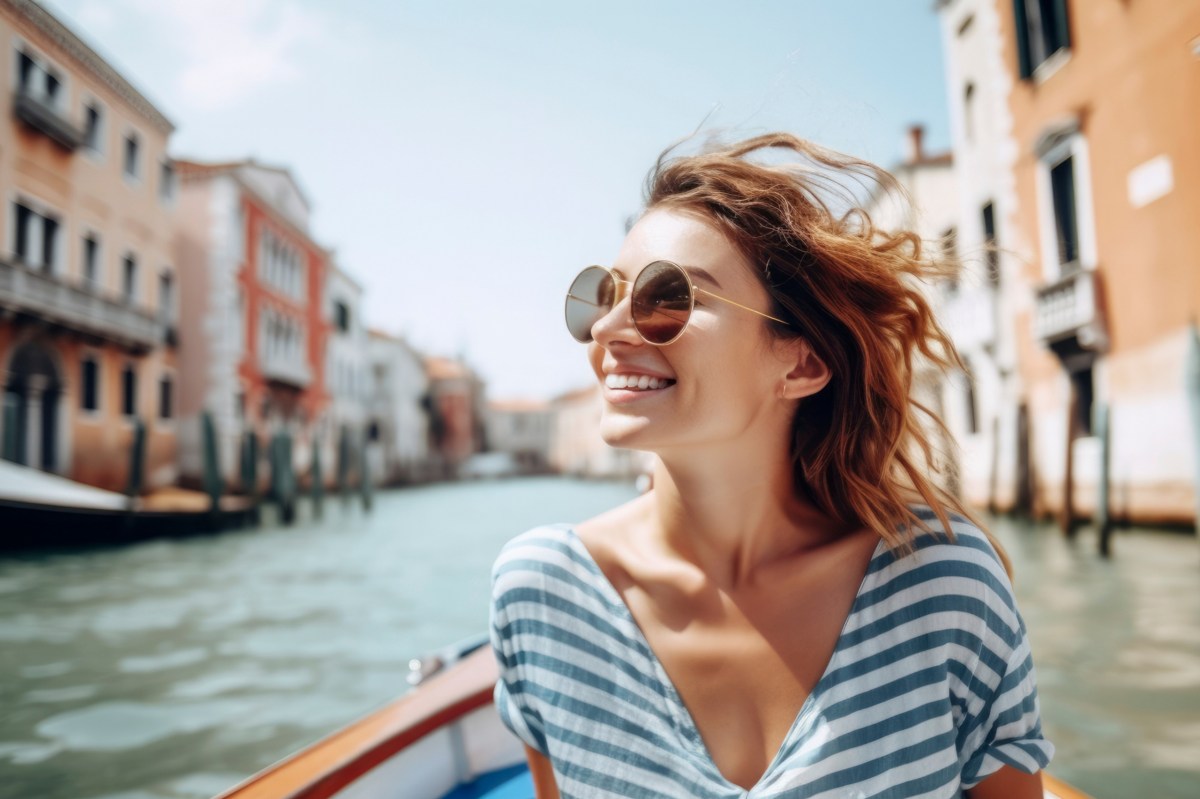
(636, 382)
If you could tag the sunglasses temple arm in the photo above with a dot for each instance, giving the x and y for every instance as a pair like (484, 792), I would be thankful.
(739, 305)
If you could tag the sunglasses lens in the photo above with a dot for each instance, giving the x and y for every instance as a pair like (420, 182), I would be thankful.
(589, 298)
(662, 302)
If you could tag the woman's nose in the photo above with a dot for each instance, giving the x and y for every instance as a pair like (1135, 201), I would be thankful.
(616, 325)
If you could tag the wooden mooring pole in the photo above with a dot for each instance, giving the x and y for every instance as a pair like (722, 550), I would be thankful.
(1192, 390)
(1103, 520)
(1067, 516)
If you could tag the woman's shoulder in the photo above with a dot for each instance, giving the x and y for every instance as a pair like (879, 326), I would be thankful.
(546, 542)
(958, 559)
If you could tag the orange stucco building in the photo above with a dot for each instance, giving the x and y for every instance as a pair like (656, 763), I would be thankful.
(1108, 194)
(88, 286)
(1078, 120)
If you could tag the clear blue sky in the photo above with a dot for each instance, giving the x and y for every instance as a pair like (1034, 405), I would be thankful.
(466, 159)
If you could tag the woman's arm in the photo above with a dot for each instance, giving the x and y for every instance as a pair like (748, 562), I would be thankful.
(1007, 783)
(544, 786)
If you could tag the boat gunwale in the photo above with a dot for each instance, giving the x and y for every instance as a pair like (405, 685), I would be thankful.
(320, 770)
(370, 741)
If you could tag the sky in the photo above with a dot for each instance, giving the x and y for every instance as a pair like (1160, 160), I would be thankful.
(466, 159)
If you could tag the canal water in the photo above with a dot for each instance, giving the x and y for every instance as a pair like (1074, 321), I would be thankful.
(173, 669)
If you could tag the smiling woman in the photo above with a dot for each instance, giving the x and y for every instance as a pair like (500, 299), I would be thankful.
(797, 608)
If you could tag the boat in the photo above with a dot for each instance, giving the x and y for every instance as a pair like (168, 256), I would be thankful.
(442, 740)
(39, 510)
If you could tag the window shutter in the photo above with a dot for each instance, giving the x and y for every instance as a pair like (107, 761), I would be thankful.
(1022, 36)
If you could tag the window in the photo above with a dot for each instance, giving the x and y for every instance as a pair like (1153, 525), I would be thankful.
(93, 127)
(166, 181)
(949, 243)
(969, 111)
(1066, 230)
(971, 401)
(38, 80)
(91, 261)
(1084, 400)
(341, 315)
(166, 296)
(35, 237)
(89, 382)
(1066, 225)
(132, 145)
(164, 398)
(1042, 30)
(989, 241)
(129, 277)
(129, 391)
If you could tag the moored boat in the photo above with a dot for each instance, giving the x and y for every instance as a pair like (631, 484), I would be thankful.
(443, 740)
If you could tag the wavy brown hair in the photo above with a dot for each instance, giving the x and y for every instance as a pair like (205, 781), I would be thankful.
(851, 290)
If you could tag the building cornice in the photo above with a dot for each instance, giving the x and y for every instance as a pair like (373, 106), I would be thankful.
(87, 58)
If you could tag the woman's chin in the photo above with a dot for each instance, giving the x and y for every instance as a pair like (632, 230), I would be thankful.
(625, 432)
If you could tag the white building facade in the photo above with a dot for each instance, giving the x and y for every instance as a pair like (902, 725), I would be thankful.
(398, 422)
(988, 418)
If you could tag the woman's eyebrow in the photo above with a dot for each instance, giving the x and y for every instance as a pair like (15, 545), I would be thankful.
(703, 274)
(694, 271)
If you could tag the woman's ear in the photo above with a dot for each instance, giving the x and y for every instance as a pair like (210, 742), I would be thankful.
(807, 373)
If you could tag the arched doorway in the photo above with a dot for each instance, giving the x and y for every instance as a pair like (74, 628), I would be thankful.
(32, 390)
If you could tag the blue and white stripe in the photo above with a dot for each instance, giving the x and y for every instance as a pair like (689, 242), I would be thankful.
(930, 687)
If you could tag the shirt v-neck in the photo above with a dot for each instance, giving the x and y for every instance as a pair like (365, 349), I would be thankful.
(684, 722)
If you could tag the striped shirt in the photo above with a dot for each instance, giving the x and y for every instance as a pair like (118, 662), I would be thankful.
(930, 687)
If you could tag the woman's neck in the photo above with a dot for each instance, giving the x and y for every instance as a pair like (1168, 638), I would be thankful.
(734, 511)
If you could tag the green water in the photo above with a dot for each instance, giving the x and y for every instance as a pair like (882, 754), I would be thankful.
(173, 669)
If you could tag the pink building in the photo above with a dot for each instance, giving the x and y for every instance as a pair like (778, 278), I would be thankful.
(253, 329)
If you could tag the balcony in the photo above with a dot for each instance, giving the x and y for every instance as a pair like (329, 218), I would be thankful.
(1071, 308)
(287, 369)
(43, 117)
(49, 298)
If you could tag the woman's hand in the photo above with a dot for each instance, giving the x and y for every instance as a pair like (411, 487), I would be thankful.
(544, 786)
(1007, 783)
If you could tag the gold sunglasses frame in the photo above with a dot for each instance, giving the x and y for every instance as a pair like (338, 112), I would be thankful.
(619, 298)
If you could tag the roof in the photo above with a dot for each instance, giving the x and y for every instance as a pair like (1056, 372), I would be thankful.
(439, 368)
(518, 405)
(187, 167)
(89, 59)
(400, 341)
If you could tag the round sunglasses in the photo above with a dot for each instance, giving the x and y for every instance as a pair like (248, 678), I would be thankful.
(661, 298)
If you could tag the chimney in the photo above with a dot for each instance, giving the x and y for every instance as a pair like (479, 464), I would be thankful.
(916, 152)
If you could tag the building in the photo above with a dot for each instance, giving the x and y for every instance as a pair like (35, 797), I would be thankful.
(347, 369)
(1090, 163)
(398, 418)
(929, 208)
(454, 403)
(521, 428)
(254, 329)
(88, 276)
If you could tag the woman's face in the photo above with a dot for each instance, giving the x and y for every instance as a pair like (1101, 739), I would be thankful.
(726, 371)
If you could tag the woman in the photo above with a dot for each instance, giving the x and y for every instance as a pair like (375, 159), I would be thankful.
(791, 611)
